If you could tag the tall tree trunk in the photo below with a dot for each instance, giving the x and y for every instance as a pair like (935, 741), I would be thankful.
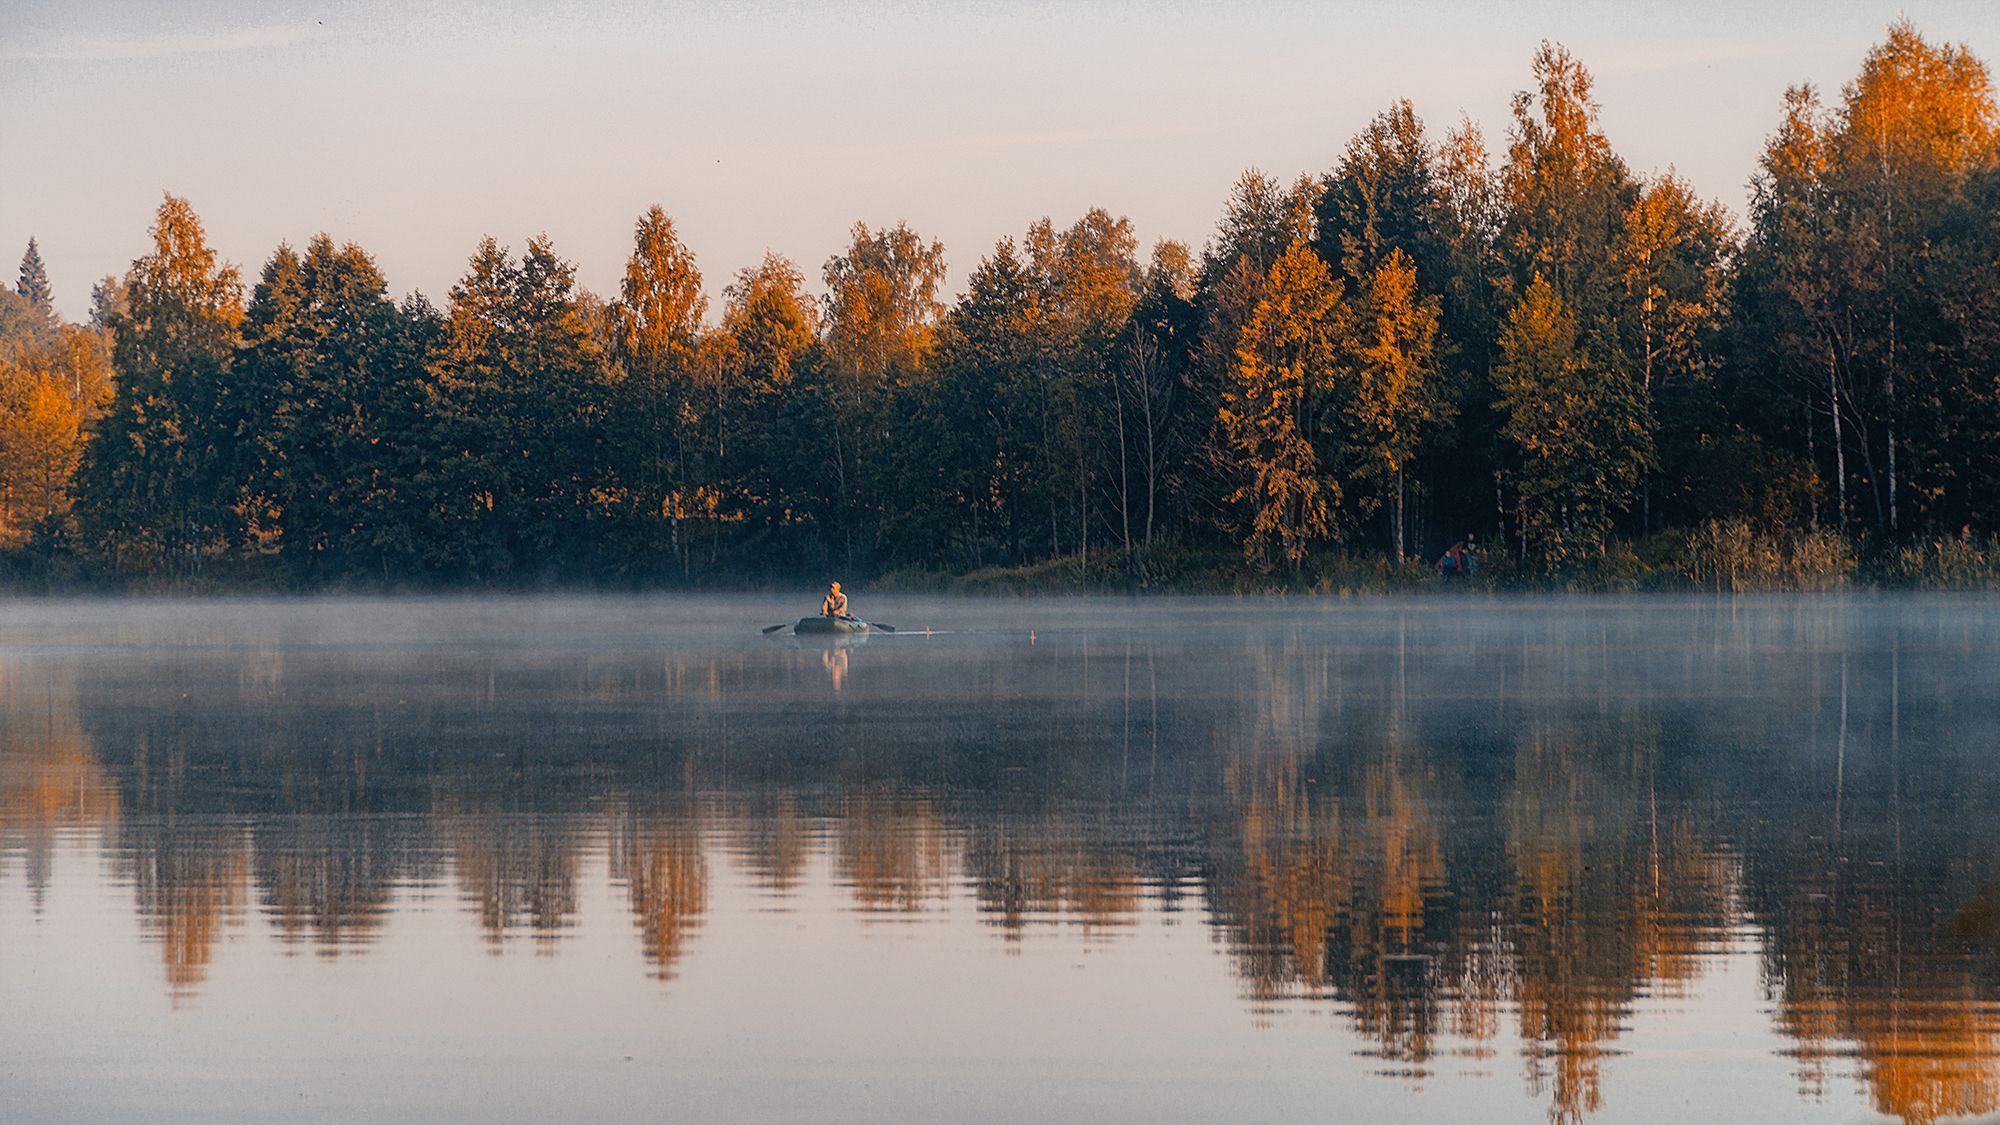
(1049, 460)
(1891, 390)
(1124, 482)
(1646, 387)
(674, 532)
(840, 485)
(1152, 471)
(1397, 516)
(1839, 445)
(1889, 294)
(1082, 517)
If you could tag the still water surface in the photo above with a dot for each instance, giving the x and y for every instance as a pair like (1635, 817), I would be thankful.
(1617, 861)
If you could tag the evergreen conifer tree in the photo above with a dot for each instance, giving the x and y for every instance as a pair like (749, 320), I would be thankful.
(34, 283)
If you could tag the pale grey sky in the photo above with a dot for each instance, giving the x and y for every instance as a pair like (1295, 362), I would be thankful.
(416, 127)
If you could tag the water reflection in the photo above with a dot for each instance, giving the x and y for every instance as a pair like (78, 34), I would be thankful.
(771, 839)
(325, 880)
(659, 860)
(50, 781)
(1473, 845)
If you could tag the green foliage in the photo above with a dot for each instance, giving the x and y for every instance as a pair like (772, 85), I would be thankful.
(1868, 255)
(324, 420)
(1673, 260)
(769, 448)
(1156, 419)
(517, 387)
(662, 407)
(1260, 220)
(1385, 198)
(1394, 401)
(880, 330)
(157, 492)
(1564, 195)
(975, 426)
(1275, 410)
(1578, 431)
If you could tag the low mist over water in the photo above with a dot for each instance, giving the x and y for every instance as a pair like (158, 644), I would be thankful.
(1647, 860)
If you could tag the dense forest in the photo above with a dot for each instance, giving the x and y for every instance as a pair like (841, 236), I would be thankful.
(1601, 376)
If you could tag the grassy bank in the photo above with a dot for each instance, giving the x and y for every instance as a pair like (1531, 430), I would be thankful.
(1720, 557)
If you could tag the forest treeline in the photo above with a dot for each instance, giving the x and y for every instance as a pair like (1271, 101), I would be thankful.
(1593, 370)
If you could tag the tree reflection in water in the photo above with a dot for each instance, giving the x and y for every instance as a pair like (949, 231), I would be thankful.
(1466, 842)
(658, 856)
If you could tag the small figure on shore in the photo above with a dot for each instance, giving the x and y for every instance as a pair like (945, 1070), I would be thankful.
(1460, 560)
(835, 604)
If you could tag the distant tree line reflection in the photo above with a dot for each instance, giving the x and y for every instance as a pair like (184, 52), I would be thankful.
(1449, 869)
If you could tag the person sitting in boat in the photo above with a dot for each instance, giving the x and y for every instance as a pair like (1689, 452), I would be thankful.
(835, 604)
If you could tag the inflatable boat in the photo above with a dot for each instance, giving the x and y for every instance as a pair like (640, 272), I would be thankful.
(830, 626)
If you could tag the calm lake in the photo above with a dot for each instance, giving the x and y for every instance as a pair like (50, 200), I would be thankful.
(1647, 860)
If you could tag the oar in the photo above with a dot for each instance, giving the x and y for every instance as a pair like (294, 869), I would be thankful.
(769, 629)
